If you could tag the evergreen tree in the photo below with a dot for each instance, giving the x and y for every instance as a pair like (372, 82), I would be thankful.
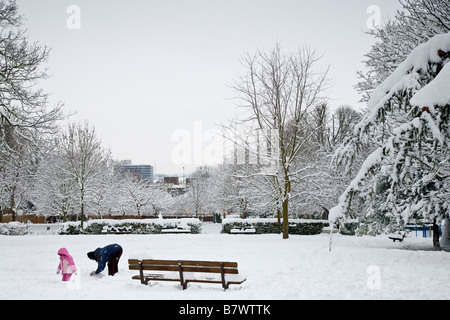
(408, 121)
(417, 23)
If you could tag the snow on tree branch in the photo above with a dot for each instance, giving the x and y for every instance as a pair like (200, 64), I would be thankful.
(408, 119)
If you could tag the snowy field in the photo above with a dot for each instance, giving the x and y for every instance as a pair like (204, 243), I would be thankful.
(299, 268)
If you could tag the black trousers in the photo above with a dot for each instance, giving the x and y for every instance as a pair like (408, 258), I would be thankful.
(113, 262)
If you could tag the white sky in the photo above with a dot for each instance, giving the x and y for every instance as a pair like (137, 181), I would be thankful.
(141, 70)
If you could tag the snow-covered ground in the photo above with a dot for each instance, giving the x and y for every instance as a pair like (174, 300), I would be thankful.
(299, 268)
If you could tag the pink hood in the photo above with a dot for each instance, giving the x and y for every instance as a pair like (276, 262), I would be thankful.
(67, 257)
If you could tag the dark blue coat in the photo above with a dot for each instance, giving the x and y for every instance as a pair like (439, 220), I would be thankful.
(102, 255)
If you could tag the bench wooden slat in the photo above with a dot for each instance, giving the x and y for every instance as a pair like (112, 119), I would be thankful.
(214, 281)
(133, 261)
(226, 264)
(184, 268)
(154, 267)
(209, 270)
(204, 281)
(160, 262)
(137, 277)
(155, 278)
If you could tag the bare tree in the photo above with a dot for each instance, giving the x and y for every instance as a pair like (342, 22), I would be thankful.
(24, 114)
(54, 192)
(198, 189)
(343, 122)
(23, 109)
(234, 188)
(85, 158)
(319, 119)
(277, 91)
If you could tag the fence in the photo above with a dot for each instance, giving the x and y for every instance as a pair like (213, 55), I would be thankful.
(30, 218)
(425, 230)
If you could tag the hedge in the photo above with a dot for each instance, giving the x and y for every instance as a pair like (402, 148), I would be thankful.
(270, 225)
(130, 226)
(13, 229)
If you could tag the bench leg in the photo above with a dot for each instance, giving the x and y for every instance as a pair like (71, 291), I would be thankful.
(183, 283)
(141, 273)
(225, 285)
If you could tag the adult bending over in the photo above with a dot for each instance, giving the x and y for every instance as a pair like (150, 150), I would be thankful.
(108, 255)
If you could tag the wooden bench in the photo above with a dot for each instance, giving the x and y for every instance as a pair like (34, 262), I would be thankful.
(116, 230)
(243, 230)
(176, 230)
(180, 270)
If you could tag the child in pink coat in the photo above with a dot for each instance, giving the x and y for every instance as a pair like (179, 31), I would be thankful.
(66, 265)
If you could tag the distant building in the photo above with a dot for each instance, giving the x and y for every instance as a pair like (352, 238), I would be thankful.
(143, 172)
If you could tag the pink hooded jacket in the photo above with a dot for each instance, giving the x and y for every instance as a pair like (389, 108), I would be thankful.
(66, 264)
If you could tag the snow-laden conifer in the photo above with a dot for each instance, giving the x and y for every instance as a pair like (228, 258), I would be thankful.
(408, 123)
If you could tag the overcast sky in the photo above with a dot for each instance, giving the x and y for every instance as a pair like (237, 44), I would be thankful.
(141, 70)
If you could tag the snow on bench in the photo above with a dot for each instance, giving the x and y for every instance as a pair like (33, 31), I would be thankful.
(400, 236)
(243, 230)
(116, 230)
(178, 229)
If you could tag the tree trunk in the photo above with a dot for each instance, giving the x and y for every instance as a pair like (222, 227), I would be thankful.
(287, 193)
(13, 204)
(82, 208)
(435, 234)
(285, 218)
(279, 219)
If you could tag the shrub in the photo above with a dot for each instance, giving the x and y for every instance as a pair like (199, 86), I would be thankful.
(13, 229)
(270, 225)
(146, 226)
